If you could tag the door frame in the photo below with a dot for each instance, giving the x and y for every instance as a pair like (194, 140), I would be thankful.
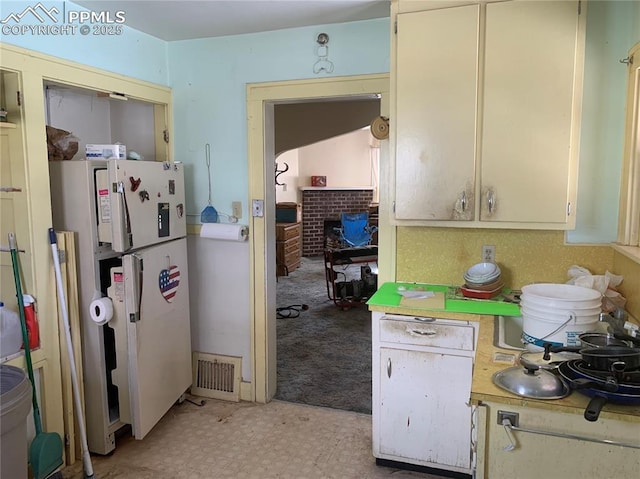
(261, 98)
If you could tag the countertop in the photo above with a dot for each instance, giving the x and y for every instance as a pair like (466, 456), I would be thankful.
(387, 296)
(490, 359)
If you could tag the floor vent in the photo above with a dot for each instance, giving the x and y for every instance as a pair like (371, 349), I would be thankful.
(216, 376)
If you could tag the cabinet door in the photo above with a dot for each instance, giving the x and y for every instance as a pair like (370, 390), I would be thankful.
(528, 104)
(543, 455)
(436, 91)
(14, 210)
(424, 411)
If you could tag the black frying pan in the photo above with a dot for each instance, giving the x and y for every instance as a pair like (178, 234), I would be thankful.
(601, 391)
(606, 358)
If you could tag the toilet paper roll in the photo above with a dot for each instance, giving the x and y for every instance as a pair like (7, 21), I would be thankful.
(101, 311)
(224, 231)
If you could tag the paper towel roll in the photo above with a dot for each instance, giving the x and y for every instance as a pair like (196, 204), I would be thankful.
(224, 231)
(101, 311)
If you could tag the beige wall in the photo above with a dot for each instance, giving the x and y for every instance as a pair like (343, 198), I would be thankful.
(288, 192)
(346, 160)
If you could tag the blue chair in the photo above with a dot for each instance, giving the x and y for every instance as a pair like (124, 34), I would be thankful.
(355, 229)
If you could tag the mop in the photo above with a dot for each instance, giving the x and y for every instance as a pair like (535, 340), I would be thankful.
(86, 458)
(209, 213)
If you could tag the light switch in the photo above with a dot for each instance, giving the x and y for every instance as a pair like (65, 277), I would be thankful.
(236, 209)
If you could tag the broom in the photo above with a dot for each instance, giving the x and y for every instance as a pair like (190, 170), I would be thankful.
(46, 449)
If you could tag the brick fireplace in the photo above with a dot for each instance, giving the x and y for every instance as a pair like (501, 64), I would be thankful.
(325, 204)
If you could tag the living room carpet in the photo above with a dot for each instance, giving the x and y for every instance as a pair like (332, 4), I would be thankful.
(323, 354)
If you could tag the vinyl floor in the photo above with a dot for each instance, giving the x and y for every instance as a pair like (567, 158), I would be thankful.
(248, 441)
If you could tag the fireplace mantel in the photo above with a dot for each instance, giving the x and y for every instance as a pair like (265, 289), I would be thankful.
(336, 188)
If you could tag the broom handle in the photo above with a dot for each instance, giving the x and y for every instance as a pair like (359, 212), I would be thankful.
(25, 335)
(86, 458)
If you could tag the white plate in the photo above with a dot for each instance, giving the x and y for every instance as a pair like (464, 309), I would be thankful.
(483, 270)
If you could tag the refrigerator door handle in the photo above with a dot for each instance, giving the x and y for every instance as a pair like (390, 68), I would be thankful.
(137, 270)
(126, 226)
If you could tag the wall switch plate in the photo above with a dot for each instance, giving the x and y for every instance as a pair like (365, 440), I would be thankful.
(488, 253)
(257, 208)
(236, 209)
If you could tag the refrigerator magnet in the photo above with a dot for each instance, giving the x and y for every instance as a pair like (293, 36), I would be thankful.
(168, 282)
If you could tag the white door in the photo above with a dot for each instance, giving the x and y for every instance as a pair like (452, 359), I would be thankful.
(159, 338)
(424, 413)
(147, 203)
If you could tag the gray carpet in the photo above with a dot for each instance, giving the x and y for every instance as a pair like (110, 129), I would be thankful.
(324, 354)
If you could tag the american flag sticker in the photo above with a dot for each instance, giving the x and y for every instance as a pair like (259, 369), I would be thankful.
(169, 281)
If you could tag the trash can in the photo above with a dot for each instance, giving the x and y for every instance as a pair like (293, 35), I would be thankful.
(15, 404)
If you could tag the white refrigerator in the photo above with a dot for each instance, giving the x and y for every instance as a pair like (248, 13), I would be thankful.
(130, 220)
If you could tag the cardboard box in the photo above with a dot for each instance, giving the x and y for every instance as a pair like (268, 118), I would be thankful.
(318, 181)
(106, 152)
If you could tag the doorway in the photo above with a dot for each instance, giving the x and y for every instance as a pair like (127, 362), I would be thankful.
(261, 99)
(323, 339)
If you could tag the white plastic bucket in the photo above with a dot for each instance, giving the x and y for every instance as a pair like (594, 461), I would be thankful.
(545, 311)
(560, 317)
(540, 302)
(559, 330)
(561, 295)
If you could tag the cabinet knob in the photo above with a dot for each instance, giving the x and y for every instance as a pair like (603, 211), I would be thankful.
(388, 367)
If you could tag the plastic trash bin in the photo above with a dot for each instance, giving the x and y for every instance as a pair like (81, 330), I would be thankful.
(15, 404)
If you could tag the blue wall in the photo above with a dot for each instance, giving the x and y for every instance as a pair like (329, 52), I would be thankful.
(209, 78)
(612, 28)
(131, 52)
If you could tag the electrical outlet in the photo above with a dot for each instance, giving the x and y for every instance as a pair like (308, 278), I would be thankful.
(489, 253)
(236, 209)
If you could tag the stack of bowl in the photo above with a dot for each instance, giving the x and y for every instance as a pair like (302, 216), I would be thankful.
(557, 314)
(482, 280)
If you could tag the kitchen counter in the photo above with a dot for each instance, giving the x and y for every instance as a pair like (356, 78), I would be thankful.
(387, 296)
(489, 359)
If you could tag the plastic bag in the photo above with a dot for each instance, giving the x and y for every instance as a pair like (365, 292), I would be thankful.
(61, 144)
(606, 284)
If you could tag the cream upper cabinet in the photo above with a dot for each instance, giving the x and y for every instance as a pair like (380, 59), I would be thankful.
(487, 101)
(436, 86)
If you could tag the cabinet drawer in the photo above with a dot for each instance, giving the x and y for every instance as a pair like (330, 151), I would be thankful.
(288, 258)
(434, 334)
(288, 246)
(285, 231)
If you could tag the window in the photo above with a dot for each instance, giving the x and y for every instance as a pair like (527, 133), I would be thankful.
(629, 221)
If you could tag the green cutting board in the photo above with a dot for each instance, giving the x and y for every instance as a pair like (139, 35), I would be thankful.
(388, 296)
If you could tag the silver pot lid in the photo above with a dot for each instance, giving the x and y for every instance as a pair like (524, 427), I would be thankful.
(531, 382)
(537, 358)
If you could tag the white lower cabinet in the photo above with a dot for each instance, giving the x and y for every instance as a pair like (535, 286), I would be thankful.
(554, 444)
(422, 370)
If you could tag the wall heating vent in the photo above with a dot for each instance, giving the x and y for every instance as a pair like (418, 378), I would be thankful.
(216, 376)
